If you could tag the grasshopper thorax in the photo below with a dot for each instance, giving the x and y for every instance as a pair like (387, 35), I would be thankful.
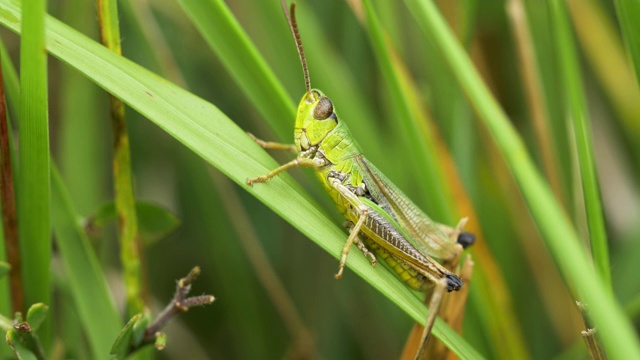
(316, 118)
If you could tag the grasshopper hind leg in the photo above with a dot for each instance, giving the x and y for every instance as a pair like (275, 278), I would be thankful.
(434, 308)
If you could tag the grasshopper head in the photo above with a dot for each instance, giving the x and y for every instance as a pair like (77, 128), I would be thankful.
(315, 119)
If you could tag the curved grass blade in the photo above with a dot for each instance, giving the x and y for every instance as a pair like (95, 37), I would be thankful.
(628, 13)
(579, 119)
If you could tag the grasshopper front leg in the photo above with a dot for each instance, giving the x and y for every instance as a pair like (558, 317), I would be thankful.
(301, 160)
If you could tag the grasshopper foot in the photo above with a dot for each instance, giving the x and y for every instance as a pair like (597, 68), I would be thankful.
(453, 283)
(259, 179)
(366, 252)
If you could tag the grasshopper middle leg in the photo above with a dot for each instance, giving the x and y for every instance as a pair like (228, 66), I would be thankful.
(362, 210)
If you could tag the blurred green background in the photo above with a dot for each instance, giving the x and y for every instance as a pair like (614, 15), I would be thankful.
(519, 307)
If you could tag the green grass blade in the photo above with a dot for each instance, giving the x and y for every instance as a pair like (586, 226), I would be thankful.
(243, 61)
(617, 334)
(87, 284)
(208, 132)
(34, 229)
(579, 119)
(9, 246)
(81, 143)
(424, 160)
(606, 55)
(628, 14)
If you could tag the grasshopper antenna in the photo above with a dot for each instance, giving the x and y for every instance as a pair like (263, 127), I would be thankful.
(293, 26)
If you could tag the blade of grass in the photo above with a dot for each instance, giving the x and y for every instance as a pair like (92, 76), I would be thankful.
(123, 183)
(529, 71)
(243, 61)
(628, 14)
(617, 334)
(12, 300)
(11, 291)
(34, 228)
(81, 143)
(578, 115)
(605, 53)
(87, 285)
(208, 132)
(425, 163)
(606, 56)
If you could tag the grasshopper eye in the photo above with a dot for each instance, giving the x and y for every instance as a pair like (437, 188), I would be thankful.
(323, 109)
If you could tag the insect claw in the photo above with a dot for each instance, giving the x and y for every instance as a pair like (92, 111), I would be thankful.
(366, 251)
(338, 276)
(453, 283)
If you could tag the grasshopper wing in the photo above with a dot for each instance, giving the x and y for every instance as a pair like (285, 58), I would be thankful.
(427, 236)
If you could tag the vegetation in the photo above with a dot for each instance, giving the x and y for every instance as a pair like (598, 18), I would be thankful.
(523, 117)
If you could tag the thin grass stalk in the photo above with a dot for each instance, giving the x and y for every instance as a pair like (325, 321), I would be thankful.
(11, 96)
(9, 217)
(33, 187)
(560, 237)
(579, 119)
(426, 166)
(528, 67)
(249, 69)
(606, 55)
(130, 246)
(628, 13)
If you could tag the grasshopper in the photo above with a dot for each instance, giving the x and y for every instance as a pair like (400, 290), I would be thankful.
(382, 221)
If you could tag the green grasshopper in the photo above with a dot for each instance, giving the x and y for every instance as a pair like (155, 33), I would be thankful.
(383, 222)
